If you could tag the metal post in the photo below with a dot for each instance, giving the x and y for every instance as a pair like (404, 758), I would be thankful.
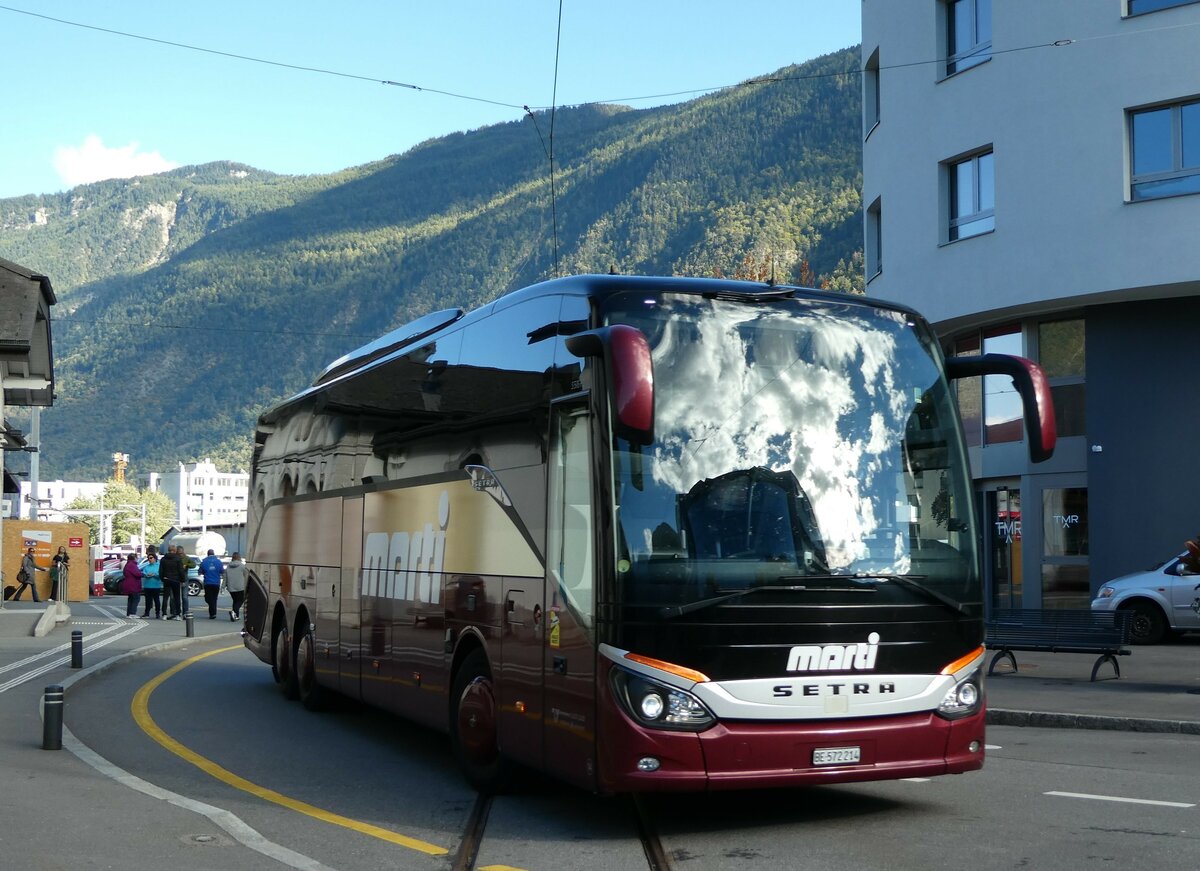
(189, 623)
(52, 718)
(76, 648)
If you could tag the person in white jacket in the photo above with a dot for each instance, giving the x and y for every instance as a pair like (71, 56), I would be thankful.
(235, 582)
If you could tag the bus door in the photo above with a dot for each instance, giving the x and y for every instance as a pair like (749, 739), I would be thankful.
(569, 648)
(349, 618)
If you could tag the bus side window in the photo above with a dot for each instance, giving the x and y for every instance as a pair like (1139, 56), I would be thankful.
(569, 513)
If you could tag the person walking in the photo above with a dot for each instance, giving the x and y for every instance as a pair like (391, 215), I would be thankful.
(25, 575)
(152, 586)
(58, 575)
(235, 582)
(211, 569)
(173, 576)
(131, 585)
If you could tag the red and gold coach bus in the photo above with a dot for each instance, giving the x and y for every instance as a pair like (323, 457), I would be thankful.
(639, 533)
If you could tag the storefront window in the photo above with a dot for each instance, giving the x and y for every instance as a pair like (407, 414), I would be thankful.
(1065, 582)
(970, 394)
(1063, 352)
(1003, 419)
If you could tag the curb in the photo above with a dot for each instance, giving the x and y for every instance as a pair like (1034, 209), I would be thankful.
(1001, 717)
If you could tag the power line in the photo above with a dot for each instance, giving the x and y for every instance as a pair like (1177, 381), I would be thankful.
(553, 104)
(761, 80)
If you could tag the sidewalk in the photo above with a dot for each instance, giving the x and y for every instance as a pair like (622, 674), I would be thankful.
(1158, 691)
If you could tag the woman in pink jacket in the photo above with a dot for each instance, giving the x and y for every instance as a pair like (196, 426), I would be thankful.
(131, 586)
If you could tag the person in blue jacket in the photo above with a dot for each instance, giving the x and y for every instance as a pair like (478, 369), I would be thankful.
(211, 569)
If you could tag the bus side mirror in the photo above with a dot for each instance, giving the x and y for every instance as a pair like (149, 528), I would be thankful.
(1031, 385)
(631, 370)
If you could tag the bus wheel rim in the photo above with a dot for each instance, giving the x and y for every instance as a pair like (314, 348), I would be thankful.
(477, 721)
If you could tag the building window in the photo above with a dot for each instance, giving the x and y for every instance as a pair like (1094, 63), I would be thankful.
(1164, 147)
(1062, 351)
(972, 187)
(968, 34)
(1137, 7)
(1003, 414)
(874, 239)
(1065, 548)
(871, 93)
(970, 393)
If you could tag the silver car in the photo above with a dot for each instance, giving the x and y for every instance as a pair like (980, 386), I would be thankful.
(1164, 599)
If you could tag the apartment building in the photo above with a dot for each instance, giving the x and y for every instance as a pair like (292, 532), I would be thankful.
(1032, 185)
(205, 496)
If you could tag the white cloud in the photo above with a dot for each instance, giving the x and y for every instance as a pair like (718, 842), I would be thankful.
(94, 161)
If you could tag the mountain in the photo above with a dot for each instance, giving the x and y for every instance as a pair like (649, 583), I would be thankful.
(192, 300)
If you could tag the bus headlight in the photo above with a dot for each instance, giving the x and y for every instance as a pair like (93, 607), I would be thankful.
(659, 706)
(963, 699)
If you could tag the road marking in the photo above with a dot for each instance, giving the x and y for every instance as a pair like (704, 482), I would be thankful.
(96, 638)
(1119, 798)
(140, 708)
(992, 747)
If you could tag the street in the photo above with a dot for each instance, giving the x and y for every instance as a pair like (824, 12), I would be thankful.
(189, 757)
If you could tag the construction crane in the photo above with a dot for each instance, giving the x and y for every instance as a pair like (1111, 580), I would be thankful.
(120, 461)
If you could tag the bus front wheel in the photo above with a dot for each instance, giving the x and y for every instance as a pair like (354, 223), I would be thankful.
(473, 726)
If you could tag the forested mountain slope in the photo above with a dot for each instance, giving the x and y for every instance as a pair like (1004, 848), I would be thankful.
(191, 300)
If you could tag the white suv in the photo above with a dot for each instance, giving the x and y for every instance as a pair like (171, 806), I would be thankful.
(1163, 599)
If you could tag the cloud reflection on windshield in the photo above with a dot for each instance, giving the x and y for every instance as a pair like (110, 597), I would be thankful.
(740, 387)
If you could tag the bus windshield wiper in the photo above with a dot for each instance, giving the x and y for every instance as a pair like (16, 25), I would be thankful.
(912, 582)
(670, 611)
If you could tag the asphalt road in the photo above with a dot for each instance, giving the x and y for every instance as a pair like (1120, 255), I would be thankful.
(190, 758)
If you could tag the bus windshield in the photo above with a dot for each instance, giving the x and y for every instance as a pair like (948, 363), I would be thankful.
(797, 444)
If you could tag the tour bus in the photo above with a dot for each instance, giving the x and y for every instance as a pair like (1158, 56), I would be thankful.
(642, 534)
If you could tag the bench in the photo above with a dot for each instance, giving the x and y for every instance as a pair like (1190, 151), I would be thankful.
(1059, 631)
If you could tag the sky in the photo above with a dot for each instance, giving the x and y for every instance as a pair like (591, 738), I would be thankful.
(97, 90)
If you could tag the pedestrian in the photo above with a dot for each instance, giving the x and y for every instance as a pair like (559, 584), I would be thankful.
(25, 576)
(58, 575)
(235, 582)
(172, 575)
(211, 570)
(152, 586)
(131, 586)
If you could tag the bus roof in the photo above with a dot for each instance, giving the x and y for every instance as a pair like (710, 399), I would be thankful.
(401, 340)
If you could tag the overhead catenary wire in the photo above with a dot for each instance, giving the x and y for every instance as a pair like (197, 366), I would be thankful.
(522, 106)
(553, 104)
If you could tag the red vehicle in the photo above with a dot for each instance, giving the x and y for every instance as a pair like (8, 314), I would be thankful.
(640, 533)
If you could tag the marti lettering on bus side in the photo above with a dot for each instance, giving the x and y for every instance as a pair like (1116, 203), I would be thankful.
(407, 565)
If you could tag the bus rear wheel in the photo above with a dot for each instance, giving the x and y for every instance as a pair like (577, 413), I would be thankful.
(311, 694)
(473, 725)
(283, 664)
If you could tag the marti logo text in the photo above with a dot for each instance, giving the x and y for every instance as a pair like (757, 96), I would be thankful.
(835, 657)
(407, 565)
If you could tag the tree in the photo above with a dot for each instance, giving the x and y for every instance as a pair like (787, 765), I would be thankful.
(126, 525)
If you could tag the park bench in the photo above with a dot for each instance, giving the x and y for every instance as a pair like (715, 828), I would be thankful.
(1105, 633)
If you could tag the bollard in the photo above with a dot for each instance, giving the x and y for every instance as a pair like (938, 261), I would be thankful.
(189, 624)
(52, 718)
(76, 648)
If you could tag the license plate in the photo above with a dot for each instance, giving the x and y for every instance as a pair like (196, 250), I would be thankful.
(836, 755)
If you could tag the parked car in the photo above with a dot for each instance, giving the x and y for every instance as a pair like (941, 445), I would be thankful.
(1163, 600)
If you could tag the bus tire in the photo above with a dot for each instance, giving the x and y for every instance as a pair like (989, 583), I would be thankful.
(283, 664)
(312, 694)
(473, 725)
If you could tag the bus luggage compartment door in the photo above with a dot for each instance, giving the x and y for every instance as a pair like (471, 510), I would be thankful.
(520, 685)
